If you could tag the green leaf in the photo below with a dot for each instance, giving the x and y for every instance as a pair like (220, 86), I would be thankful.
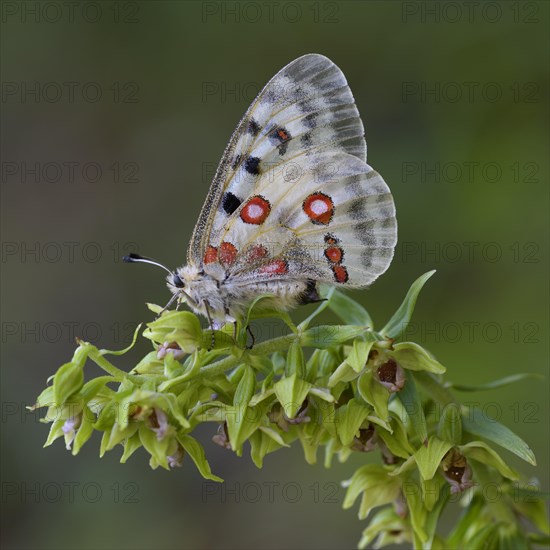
(396, 441)
(56, 431)
(477, 450)
(158, 449)
(374, 394)
(109, 413)
(279, 363)
(295, 363)
(349, 418)
(156, 309)
(433, 516)
(191, 371)
(530, 504)
(322, 393)
(377, 488)
(45, 399)
(429, 458)
(450, 424)
(195, 450)
(411, 356)
(67, 381)
(358, 357)
(417, 511)
(324, 363)
(431, 491)
(125, 350)
(182, 327)
(249, 314)
(349, 310)
(397, 325)
(413, 406)
(484, 537)
(246, 387)
(274, 434)
(261, 444)
(344, 373)
(408, 466)
(326, 336)
(84, 431)
(458, 534)
(432, 386)
(501, 383)
(149, 364)
(291, 393)
(242, 422)
(93, 387)
(262, 396)
(117, 434)
(475, 422)
(309, 447)
(383, 522)
(131, 445)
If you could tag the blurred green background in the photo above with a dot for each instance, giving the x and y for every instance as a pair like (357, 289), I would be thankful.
(114, 116)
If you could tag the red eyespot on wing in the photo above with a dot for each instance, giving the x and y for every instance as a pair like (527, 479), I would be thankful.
(227, 253)
(256, 210)
(319, 208)
(211, 255)
(340, 273)
(256, 252)
(282, 133)
(276, 267)
(334, 254)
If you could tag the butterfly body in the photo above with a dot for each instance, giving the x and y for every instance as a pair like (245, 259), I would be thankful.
(293, 202)
(222, 300)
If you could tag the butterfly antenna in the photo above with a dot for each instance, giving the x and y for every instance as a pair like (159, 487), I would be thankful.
(136, 258)
(176, 281)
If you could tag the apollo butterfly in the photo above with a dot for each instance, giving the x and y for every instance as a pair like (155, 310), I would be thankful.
(293, 202)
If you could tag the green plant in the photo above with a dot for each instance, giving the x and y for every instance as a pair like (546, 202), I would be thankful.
(358, 391)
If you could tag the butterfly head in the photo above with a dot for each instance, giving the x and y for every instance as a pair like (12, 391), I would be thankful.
(198, 289)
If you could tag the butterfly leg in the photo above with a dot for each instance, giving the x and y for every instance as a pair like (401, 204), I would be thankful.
(210, 325)
(249, 331)
(170, 302)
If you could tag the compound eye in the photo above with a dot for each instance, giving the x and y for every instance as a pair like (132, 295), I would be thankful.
(176, 281)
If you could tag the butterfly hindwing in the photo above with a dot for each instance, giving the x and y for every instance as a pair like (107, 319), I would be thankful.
(335, 223)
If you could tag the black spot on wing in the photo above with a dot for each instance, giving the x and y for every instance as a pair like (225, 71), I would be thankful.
(366, 259)
(311, 120)
(307, 105)
(280, 137)
(230, 202)
(305, 140)
(388, 223)
(253, 127)
(252, 165)
(365, 232)
(357, 209)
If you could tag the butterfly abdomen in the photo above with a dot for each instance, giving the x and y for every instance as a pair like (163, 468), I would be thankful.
(280, 295)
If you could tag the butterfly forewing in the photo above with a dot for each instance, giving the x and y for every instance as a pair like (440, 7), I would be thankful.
(293, 200)
(305, 108)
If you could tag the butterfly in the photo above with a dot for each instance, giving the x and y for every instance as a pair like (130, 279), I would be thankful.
(293, 202)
